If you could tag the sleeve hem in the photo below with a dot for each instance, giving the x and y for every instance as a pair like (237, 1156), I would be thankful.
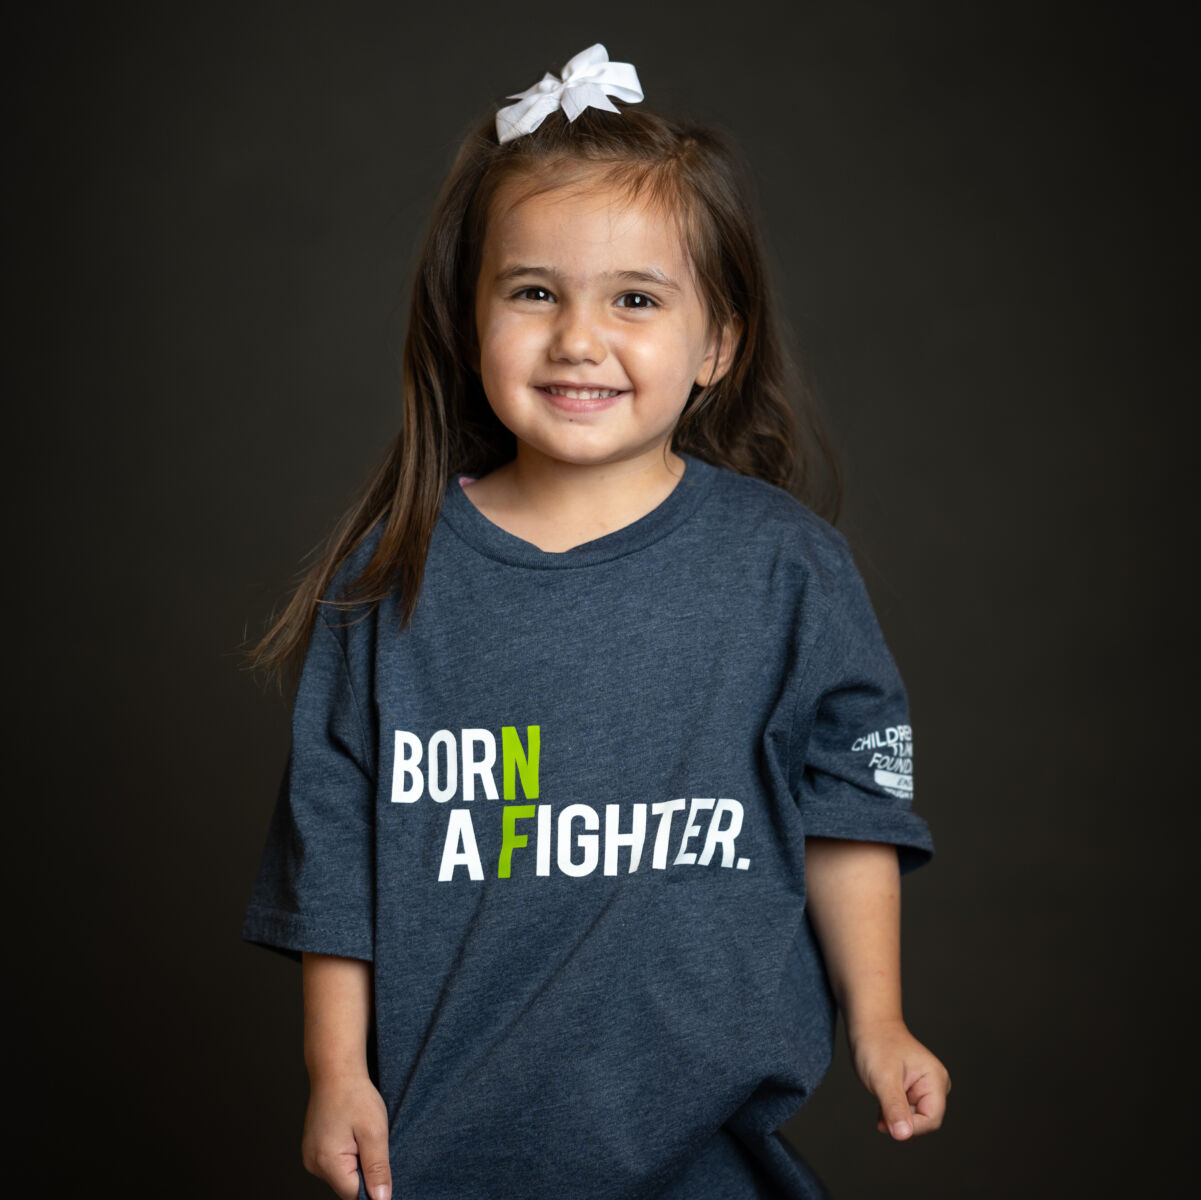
(292, 934)
(902, 828)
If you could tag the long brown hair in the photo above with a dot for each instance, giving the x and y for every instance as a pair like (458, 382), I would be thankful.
(758, 419)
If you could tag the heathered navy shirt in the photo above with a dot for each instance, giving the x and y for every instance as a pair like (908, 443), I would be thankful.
(564, 812)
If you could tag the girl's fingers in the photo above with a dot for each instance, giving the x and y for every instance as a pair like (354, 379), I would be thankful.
(341, 1172)
(895, 1116)
(373, 1159)
(929, 1105)
(924, 1111)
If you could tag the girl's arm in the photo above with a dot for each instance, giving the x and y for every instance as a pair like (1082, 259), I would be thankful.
(854, 902)
(347, 1121)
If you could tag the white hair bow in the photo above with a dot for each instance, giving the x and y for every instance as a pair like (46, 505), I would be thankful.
(587, 81)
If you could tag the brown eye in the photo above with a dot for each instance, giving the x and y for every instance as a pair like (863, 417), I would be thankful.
(635, 300)
(533, 293)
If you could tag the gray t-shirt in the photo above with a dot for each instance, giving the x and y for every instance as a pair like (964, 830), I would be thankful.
(564, 812)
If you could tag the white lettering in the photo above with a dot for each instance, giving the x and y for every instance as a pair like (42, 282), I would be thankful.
(478, 768)
(441, 790)
(725, 836)
(691, 830)
(587, 841)
(665, 810)
(615, 840)
(405, 761)
(460, 832)
(542, 840)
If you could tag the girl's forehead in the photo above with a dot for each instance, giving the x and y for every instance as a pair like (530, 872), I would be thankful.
(582, 216)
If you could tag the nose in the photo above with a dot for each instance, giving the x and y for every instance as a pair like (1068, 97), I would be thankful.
(577, 336)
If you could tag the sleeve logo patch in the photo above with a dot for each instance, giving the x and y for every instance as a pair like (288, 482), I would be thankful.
(891, 761)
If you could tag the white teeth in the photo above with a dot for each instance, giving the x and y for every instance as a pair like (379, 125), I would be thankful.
(582, 393)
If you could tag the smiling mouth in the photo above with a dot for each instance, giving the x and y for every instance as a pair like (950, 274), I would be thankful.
(574, 393)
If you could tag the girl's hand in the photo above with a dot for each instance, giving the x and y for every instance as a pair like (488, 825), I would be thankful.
(347, 1124)
(909, 1082)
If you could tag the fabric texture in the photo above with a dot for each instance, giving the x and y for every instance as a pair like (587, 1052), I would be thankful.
(563, 813)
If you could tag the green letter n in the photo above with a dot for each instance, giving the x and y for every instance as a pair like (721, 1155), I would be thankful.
(518, 762)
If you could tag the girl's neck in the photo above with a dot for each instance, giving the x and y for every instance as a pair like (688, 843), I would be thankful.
(556, 505)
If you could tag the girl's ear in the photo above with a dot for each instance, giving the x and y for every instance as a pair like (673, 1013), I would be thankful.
(723, 345)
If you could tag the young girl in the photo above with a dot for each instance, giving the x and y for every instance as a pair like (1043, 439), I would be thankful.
(601, 773)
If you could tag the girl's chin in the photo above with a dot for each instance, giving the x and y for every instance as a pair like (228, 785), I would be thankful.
(584, 451)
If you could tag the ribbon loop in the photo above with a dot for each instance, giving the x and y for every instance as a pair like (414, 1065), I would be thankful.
(587, 81)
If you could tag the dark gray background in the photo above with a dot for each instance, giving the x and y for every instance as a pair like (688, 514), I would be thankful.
(976, 214)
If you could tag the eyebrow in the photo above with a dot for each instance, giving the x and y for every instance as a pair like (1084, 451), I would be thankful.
(651, 275)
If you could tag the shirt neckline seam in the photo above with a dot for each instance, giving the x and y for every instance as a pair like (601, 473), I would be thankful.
(681, 507)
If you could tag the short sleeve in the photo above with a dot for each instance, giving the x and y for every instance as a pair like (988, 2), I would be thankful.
(852, 746)
(314, 889)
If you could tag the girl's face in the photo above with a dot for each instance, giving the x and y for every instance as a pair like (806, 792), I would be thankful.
(591, 329)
